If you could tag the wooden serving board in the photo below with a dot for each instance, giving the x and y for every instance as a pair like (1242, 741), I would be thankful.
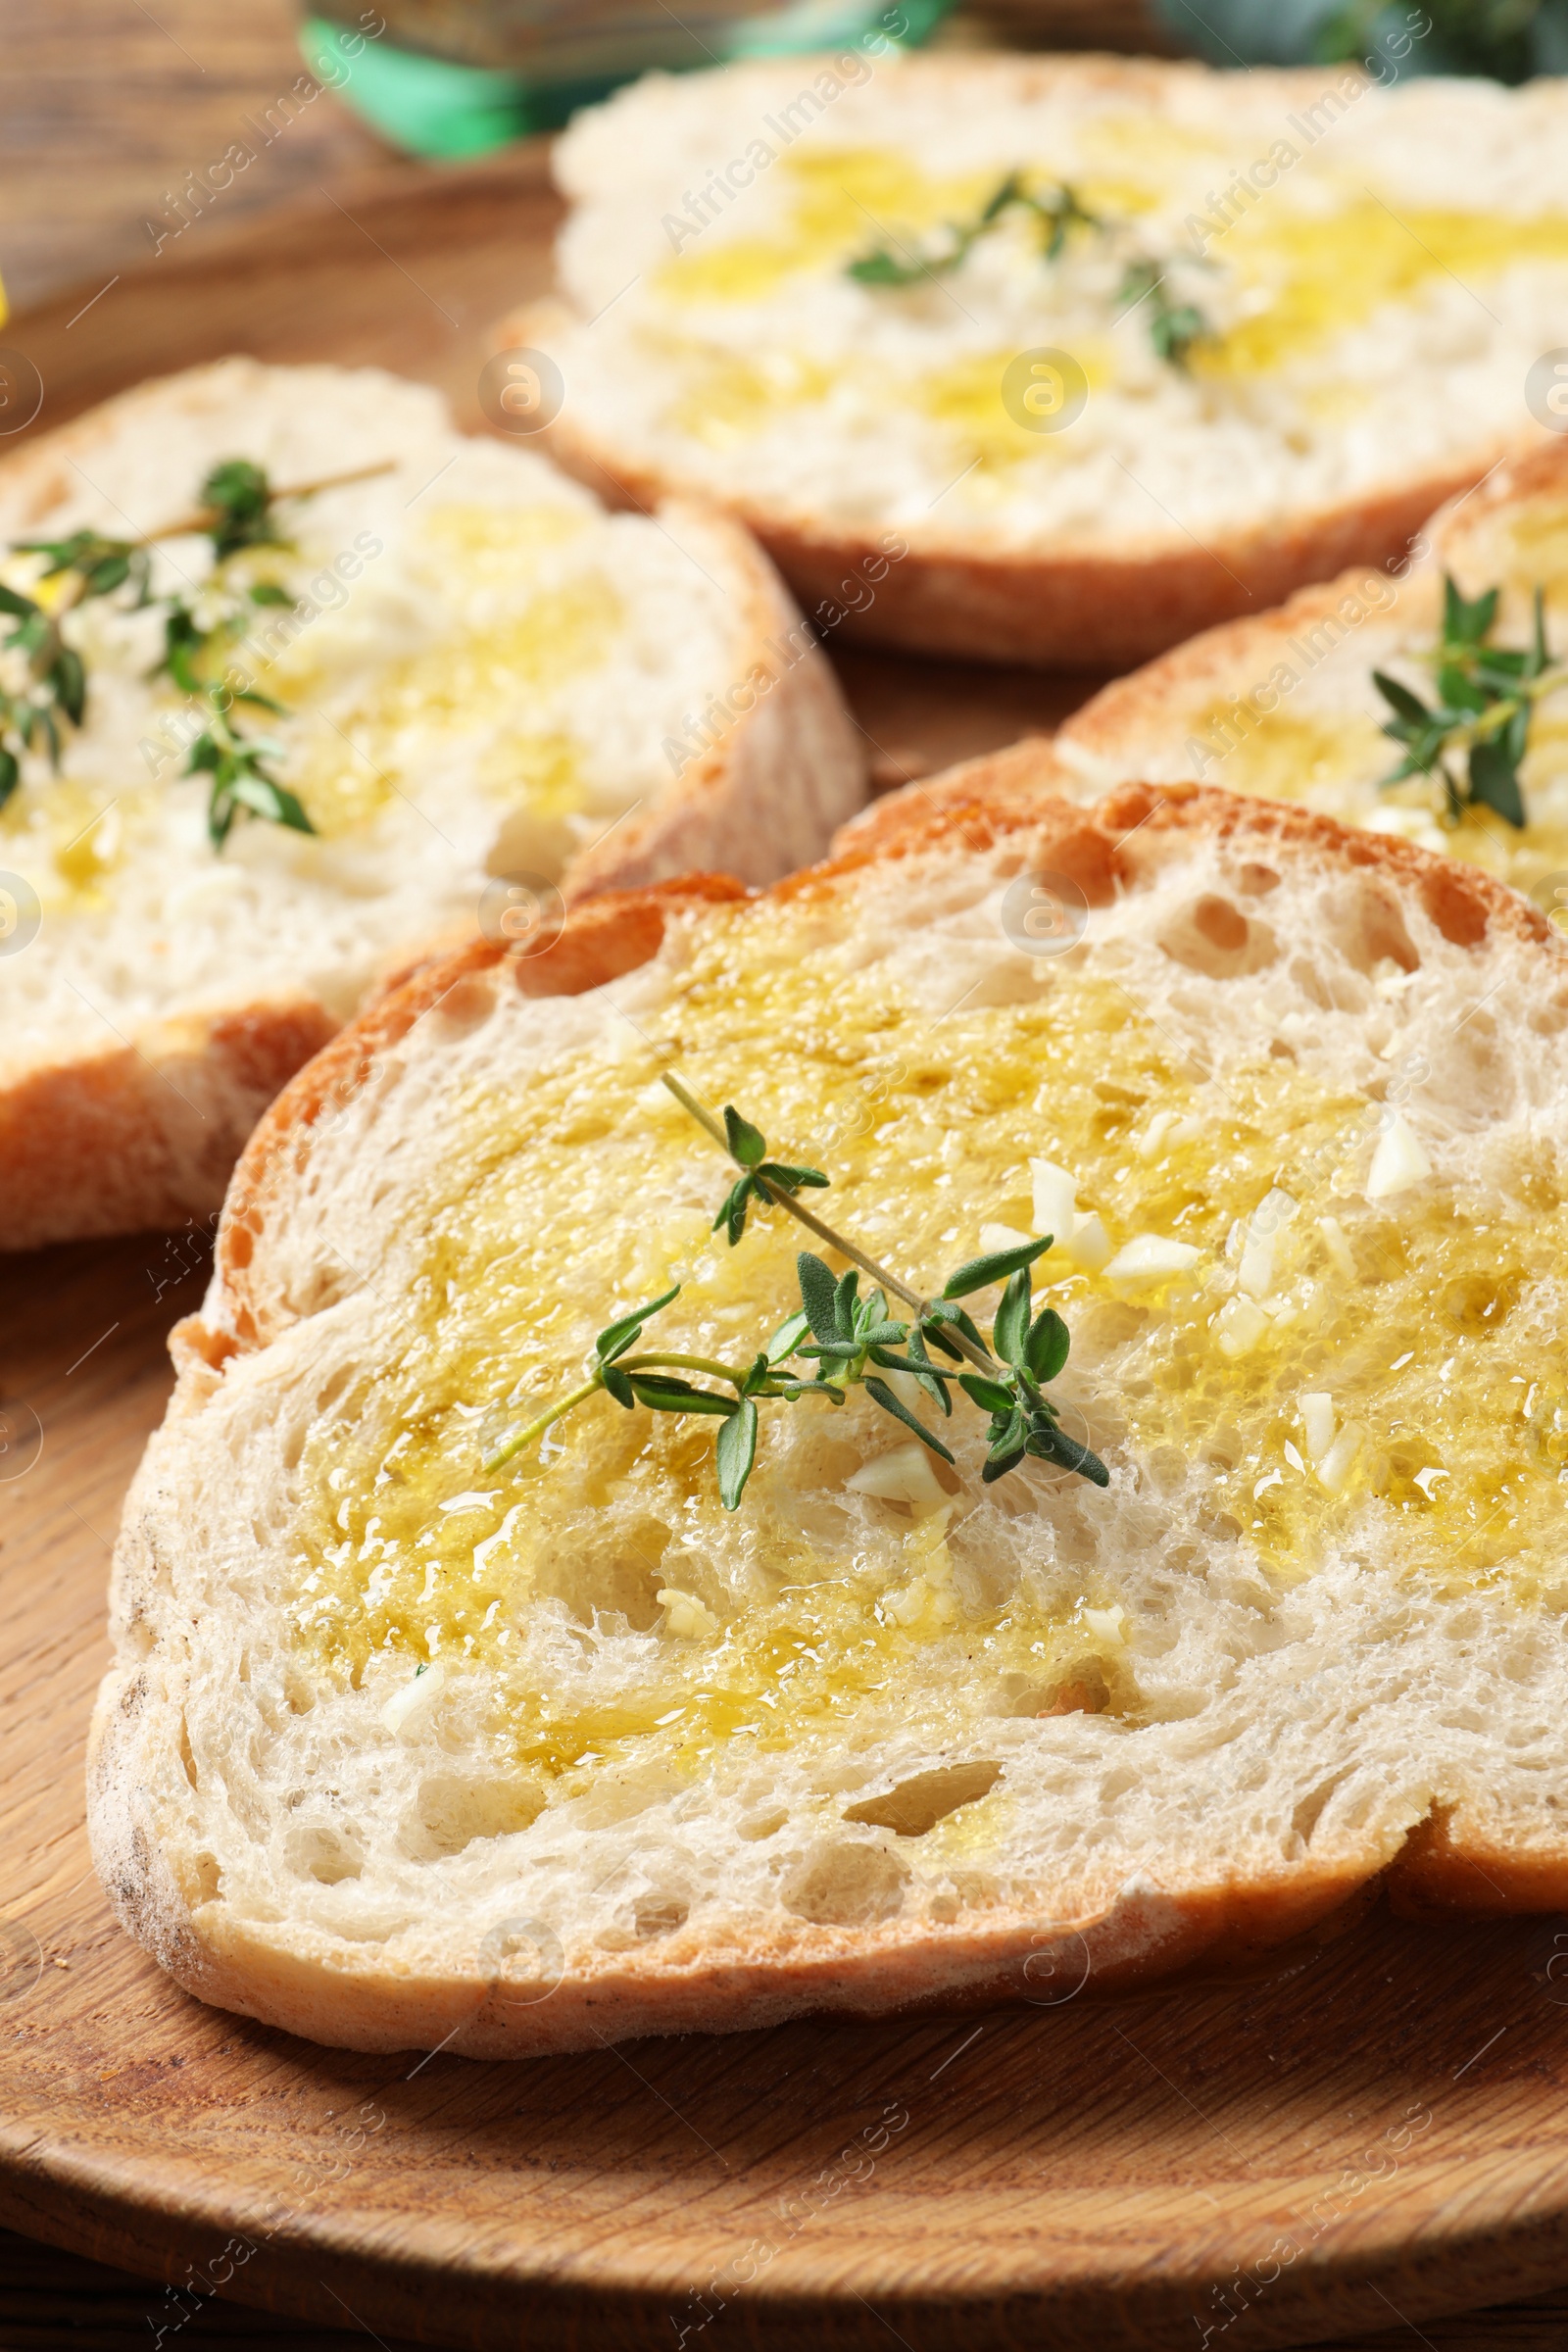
(1370, 2130)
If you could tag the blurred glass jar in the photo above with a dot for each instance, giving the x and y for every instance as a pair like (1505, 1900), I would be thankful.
(446, 77)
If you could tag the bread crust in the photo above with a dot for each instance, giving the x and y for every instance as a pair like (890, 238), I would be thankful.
(1050, 608)
(1153, 706)
(144, 1131)
(689, 1982)
(145, 1136)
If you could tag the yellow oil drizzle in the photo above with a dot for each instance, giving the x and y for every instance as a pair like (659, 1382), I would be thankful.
(566, 1201)
(1536, 549)
(843, 202)
(1323, 274)
(1336, 760)
(491, 542)
(469, 683)
(71, 837)
(1312, 274)
(726, 399)
(966, 397)
(1283, 756)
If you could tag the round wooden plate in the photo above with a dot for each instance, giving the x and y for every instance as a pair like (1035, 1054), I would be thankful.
(1368, 2131)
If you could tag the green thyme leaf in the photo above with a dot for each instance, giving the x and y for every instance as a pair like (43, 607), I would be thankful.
(1047, 1347)
(1010, 1435)
(789, 1179)
(1009, 1332)
(1057, 209)
(1406, 706)
(977, 1272)
(747, 1143)
(241, 500)
(882, 269)
(618, 1337)
(941, 1312)
(665, 1393)
(788, 1336)
(1173, 326)
(818, 1296)
(69, 681)
(1495, 774)
(879, 1391)
(846, 1299)
(1467, 621)
(735, 1453)
(848, 1332)
(1056, 1447)
(918, 1363)
(732, 1209)
(1487, 700)
(1009, 191)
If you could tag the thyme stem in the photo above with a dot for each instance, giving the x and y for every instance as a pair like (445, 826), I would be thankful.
(858, 1257)
(591, 1386)
(536, 1428)
(846, 1335)
(205, 516)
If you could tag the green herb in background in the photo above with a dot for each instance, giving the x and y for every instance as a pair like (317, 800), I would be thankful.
(1057, 211)
(1469, 36)
(1396, 40)
(1174, 327)
(846, 1336)
(1486, 697)
(238, 511)
(239, 499)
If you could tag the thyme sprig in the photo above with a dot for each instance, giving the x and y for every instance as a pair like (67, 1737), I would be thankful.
(238, 511)
(1173, 326)
(844, 1335)
(1487, 696)
(234, 761)
(1056, 211)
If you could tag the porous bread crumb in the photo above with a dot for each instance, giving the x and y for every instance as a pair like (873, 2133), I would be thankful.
(1394, 264)
(1222, 1714)
(1287, 706)
(484, 675)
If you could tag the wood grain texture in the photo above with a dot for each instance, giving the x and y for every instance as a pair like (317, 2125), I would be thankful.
(376, 270)
(105, 105)
(1378, 2122)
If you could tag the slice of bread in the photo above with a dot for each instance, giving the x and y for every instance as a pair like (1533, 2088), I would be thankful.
(398, 1751)
(1379, 271)
(1288, 705)
(484, 676)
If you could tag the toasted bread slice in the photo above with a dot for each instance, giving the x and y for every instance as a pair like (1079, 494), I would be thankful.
(398, 1749)
(1288, 705)
(1353, 285)
(484, 676)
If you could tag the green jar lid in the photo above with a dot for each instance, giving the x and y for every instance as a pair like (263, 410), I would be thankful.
(434, 106)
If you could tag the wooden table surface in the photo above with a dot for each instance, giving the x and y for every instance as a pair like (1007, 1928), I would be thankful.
(104, 105)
